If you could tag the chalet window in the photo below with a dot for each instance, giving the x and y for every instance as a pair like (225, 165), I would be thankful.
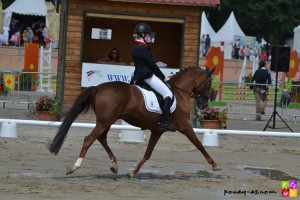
(103, 31)
(104, 34)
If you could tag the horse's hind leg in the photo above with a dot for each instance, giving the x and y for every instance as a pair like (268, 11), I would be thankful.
(190, 134)
(103, 140)
(88, 141)
(154, 137)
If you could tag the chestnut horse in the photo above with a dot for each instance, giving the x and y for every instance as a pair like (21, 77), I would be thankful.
(117, 100)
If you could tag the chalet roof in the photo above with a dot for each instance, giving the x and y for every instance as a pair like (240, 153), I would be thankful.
(178, 2)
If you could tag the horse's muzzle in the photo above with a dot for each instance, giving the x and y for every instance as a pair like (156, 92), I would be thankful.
(202, 102)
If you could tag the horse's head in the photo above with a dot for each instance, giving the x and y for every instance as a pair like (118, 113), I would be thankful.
(194, 81)
(202, 91)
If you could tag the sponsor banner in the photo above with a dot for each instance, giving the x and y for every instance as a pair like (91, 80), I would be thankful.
(9, 81)
(95, 74)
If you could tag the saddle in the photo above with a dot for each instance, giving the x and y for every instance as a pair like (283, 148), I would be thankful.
(153, 100)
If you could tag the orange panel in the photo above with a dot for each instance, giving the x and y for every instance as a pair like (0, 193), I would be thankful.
(31, 57)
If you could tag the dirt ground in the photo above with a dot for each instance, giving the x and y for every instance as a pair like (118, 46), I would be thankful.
(176, 169)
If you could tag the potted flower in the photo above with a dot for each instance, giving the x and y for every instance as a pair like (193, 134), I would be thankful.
(213, 118)
(46, 108)
(27, 80)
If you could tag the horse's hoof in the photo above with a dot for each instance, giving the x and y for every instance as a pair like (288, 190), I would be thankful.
(70, 170)
(128, 175)
(216, 168)
(131, 175)
(114, 169)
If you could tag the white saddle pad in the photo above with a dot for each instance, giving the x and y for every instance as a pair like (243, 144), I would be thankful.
(151, 102)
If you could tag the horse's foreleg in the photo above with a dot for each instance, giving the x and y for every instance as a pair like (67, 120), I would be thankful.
(103, 140)
(154, 137)
(193, 138)
(88, 141)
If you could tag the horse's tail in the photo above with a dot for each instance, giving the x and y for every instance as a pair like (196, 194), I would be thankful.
(82, 104)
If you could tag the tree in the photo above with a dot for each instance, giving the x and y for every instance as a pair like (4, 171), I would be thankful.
(6, 3)
(274, 20)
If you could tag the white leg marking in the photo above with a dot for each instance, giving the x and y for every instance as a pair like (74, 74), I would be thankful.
(78, 162)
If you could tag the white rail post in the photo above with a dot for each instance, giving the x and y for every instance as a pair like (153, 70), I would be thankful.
(8, 130)
(45, 67)
(131, 135)
(210, 138)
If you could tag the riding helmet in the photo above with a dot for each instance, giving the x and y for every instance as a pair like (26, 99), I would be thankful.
(142, 28)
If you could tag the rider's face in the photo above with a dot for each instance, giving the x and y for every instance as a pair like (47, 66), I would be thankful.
(147, 37)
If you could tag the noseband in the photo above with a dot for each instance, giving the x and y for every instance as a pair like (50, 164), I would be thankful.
(201, 98)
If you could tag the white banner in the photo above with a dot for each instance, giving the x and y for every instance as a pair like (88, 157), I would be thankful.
(95, 74)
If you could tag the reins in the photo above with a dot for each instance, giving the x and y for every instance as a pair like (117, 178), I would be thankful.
(191, 94)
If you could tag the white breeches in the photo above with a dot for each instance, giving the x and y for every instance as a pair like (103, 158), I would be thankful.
(159, 86)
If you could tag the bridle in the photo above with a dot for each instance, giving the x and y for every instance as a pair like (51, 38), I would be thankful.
(200, 98)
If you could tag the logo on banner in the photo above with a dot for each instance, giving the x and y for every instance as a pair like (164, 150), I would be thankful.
(91, 73)
(170, 76)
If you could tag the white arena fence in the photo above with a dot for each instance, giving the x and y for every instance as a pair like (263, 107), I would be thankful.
(210, 136)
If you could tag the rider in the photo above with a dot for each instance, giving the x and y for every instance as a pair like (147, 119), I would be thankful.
(146, 70)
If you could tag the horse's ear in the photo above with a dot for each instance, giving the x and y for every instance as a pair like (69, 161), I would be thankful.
(211, 71)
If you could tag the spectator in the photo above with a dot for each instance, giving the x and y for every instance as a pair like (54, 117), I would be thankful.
(30, 35)
(242, 52)
(25, 38)
(233, 52)
(15, 39)
(12, 28)
(247, 52)
(6, 30)
(39, 34)
(237, 48)
(263, 56)
(202, 44)
(46, 35)
(261, 77)
(252, 54)
(207, 43)
(112, 58)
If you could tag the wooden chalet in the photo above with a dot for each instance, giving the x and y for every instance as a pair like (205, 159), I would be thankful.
(176, 24)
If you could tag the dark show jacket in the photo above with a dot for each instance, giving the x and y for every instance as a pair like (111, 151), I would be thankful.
(145, 67)
(262, 76)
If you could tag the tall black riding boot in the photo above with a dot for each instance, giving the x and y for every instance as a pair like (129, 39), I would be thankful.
(165, 123)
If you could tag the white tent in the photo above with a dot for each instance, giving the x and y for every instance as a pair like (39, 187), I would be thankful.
(230, 29)
(35, 8)
(206, 27)
(226, 34)
(25, 7)
(297, 39)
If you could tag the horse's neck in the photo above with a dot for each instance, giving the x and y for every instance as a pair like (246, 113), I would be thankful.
(182, 87)
(185, 82)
